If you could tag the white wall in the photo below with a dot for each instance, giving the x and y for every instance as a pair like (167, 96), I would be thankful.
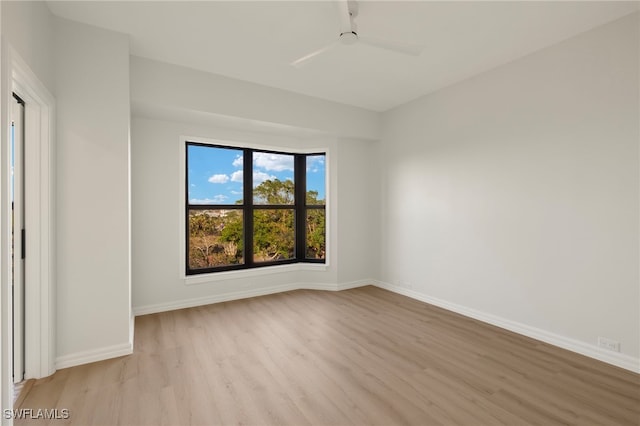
(27, 26)
(514, 195)
(358, 202)
(158, 86)
(158, 274)
(93, 209)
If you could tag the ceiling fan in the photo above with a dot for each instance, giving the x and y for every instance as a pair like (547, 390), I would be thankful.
(348, 10)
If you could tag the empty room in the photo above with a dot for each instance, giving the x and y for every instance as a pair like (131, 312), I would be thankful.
(320, 212)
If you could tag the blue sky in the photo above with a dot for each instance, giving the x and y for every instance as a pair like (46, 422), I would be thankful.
(215, 174)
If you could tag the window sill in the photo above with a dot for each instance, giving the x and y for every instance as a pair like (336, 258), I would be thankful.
(255, 272)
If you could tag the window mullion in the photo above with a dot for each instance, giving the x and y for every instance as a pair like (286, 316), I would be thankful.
(248, 206)
(186, 210)
(300, 176)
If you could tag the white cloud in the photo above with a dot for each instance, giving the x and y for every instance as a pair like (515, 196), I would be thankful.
(219, 179)
(238, 162)
(217, 199)
(273, 162)
(259, 177)
(314, 162)
(236, 176)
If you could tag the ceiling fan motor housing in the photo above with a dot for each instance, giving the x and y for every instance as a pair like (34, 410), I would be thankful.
(349, 37)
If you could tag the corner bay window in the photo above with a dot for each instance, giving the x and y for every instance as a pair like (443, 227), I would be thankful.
(274, 214)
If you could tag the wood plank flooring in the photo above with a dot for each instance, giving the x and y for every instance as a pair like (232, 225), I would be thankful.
(359, 357)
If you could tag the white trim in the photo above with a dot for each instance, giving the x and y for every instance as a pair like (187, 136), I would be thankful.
(94, 355)
(39, 218)
(17, 271)
(132, 328)
(251, 145)
(253, 272)
(244, 294)
(620, 360)
(354, 284)
(6, 332)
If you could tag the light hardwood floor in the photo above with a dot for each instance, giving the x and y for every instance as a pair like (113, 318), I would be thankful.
(356, 357)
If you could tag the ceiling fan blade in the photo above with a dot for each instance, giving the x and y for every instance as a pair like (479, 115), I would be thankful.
(345, 16)
(309, 57)
(408, 49)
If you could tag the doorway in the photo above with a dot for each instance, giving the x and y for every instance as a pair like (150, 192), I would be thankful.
(16, 148)
(35, 346)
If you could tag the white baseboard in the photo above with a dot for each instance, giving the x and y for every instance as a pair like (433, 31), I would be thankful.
(620, 360)
(132, 329)
(354, 284)
(244, 294)
(93, 355)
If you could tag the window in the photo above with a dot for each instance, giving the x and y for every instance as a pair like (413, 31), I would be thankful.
(247, 208)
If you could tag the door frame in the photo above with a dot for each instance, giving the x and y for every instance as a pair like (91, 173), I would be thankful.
(17, 280)
(39, 186)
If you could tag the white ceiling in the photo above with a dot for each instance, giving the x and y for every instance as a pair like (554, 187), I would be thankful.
(257, 40)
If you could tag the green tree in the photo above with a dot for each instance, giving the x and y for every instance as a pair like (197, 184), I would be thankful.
(273, 229)
(312, 199)
(274, 192)
(232, 236)
(216, 236)
(315, 238)
(315, 228)
(273, 234)
(202, 239)
(213, 238)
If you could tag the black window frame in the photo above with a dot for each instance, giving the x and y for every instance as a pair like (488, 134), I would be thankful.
(248, 207)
